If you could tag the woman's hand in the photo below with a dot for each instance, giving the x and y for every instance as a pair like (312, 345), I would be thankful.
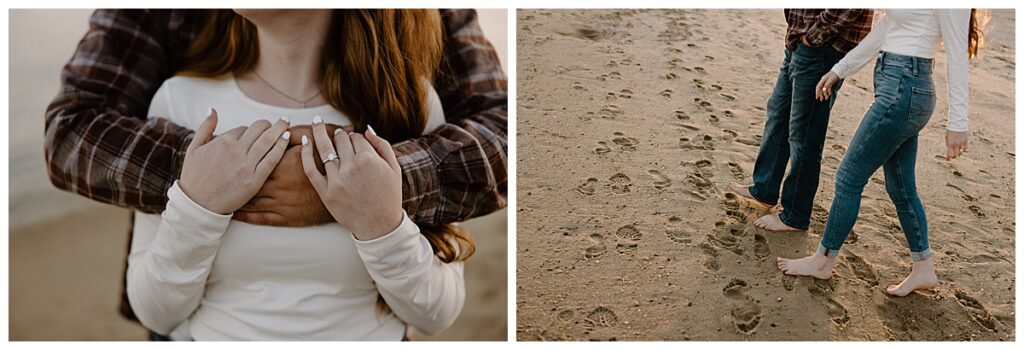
(363, 185)
(824, 89)
(956, 143)
(221, 174)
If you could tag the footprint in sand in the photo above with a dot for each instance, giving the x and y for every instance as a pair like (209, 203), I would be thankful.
(710, 254)
(976, 210)
(611, 75)
(602, 148)
(597, 247)
(728, 97)
(830, 162)
(702, 183)
(746, 313)
(731, 201)
(729, 135)
(681, 115)
(660, 181)
(579, 86)
(788, 282)
(713, 119)
(671, 76)
(736, 171)
(566, 315)
(666, 93)
(627, 143)
(587, 187)
(861, 268)
(819, 214)
(625, 93)
(703, 163)
(602, 317)
(610, 111)
(702, 142)
(629, 232)
(836, 311)
(702, 103)
(676, 233)
(728, 236)
(620, 183)
(761, 248)
(977, 311)
(839, 148)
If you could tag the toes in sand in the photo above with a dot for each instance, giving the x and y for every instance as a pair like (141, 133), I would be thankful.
(771, 222)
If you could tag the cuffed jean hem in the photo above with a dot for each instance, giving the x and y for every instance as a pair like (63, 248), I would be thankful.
(753, 192)
(831, 253)
(921, 256)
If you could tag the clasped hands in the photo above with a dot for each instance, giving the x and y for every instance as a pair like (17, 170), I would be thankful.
(265, 174)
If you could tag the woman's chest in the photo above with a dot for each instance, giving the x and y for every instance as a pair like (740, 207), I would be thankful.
(258, 254)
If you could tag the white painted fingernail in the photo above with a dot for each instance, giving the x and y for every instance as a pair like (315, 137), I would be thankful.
(210, 112)
(304, 140)
(317, 120)
(370, 129)
(287, 135)
(286, 119)
(337, 131)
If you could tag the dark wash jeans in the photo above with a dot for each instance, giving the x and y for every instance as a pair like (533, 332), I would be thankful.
(794, 134)
(887, 138)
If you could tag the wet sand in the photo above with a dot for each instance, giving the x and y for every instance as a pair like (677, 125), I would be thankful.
(633, 123)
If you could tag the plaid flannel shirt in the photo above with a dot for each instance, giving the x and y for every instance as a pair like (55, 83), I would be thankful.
(841, 28)
(99, 143)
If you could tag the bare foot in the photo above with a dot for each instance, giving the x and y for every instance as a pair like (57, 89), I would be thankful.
(771, 222)
(744, 191)
(817, 266)
(922, 277)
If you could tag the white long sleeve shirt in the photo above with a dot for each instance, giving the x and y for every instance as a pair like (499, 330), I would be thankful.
(919, 33)
(194, 274)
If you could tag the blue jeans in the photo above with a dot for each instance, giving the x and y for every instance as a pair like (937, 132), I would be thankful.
(794, 134)
(887, 138)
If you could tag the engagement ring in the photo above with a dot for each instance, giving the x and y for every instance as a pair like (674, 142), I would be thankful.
(330, 157)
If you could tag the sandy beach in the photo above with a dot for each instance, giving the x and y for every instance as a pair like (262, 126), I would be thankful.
(632, 123)
(67, 253)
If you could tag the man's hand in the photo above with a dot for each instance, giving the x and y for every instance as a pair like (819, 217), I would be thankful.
(803, 39)
(287, 198)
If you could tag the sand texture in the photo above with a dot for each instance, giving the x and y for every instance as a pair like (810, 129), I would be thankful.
(632, 123)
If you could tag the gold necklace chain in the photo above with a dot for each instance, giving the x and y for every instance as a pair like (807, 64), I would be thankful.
(303, 103)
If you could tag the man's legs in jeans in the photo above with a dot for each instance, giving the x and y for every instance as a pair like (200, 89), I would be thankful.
(805, 137)
(773, 154)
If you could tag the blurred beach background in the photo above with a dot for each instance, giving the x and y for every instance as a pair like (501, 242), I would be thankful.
(67, 253)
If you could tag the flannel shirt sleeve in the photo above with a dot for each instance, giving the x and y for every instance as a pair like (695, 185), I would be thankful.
(459, 170)
(98, 142)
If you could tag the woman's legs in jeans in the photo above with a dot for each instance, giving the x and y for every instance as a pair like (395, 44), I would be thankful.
(902, 188)
(872, 147)
(875, 142)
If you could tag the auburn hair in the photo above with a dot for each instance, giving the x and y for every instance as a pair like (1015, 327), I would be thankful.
(976, 34)
(374, 64)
